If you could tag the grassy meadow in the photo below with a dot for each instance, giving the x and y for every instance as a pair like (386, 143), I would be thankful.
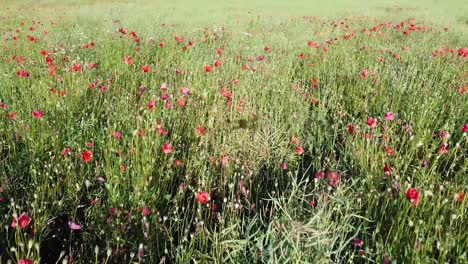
(233, 131)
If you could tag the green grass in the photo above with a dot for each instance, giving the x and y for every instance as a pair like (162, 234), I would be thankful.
(138, 204)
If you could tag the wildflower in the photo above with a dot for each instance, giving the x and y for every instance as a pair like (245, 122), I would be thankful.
(21, 222)
(413, 196)
(74, 226)
(463, 52)
(25, 261)
(299, 150)
(386, 170)
(364, 73)
(334, 178)
(65, 152)
(22, 73)
(37, 114)
(185, 91)
(388, 116)
(283, 165)
(167, 148)
(357, 242)
(127, 60)
(319, 175)
(389, 150)
(86, 156)
(371, 122)
(202, 197)
(464, 128)
(151, 104)
(145, 68)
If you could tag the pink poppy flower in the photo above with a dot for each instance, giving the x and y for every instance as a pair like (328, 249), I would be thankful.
(389, 116)
(283, 165)
(74, 226)
(25, 261)
(151, 104)
(185, 90)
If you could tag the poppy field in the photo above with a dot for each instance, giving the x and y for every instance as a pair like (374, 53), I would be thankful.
(233, 132)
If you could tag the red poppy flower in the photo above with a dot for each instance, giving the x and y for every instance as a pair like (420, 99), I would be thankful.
(364, 73)
(22, 73)
(413, 196)
(86, 156)
(167, 148)
(65, 151)
(319, 175)
(389, 150)
(181, 102)
(334, 178)
(127, 60)
(162, 131)
(208, 68)
(76, 67)
(386, 170)
(151, 104)
(465, 128)
(463, 52)
(146, 211)
(351, 129)
(200, 129)
(371, 122)
(443, 148)
(202, 197)
(299, 150)
(217, 63)
(21, 222)
(145, 69)
(37, 114)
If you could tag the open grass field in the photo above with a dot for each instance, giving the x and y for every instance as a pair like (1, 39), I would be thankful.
(233, 131)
